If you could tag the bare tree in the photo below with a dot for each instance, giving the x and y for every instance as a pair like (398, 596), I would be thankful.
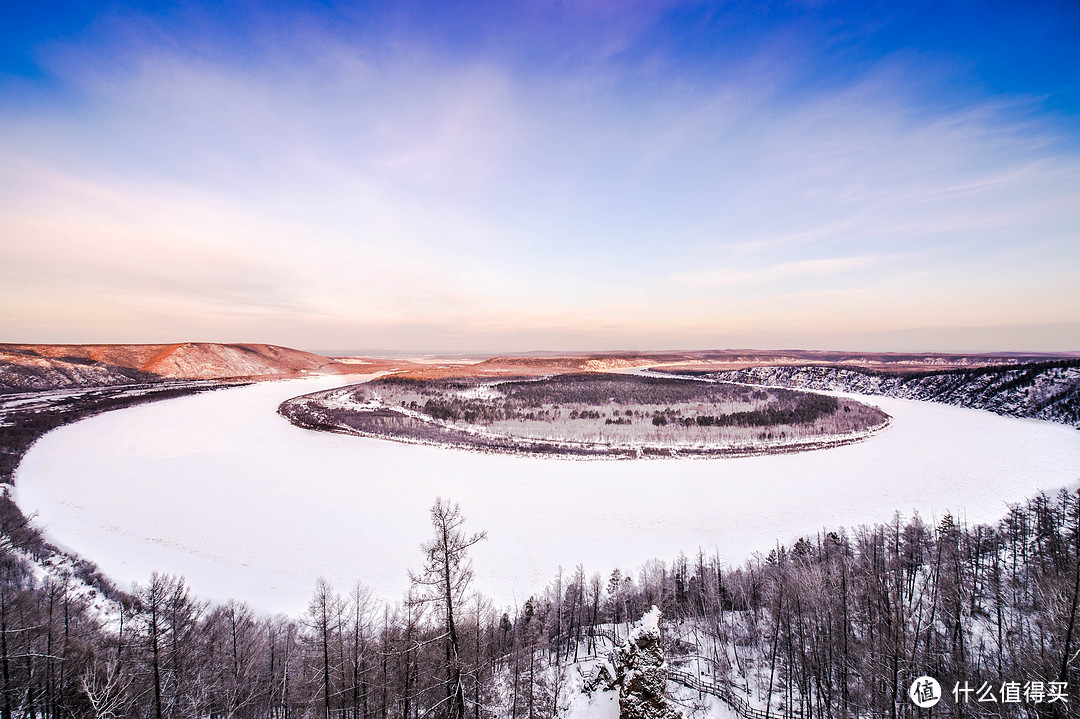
(360, 605)
(106, 688)
(320, 620)
(444, 583)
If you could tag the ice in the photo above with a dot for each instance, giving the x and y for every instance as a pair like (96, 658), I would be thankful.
(219, 488)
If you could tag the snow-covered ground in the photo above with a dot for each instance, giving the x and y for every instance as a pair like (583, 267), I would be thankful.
(219, 488)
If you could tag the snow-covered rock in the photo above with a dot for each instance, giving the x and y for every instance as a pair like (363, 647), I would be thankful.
(637, 672)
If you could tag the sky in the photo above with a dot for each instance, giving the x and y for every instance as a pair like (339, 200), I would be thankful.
(514, 176)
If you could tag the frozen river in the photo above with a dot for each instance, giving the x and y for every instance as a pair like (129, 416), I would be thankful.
(219, 488)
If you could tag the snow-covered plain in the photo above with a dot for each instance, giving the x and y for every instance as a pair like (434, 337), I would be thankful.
(219, 488)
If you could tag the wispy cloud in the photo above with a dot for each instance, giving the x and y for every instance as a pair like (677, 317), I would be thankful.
(397, 186)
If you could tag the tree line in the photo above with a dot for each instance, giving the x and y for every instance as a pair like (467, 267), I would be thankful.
(836, 625)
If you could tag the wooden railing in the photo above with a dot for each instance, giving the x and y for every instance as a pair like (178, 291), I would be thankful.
(739, 705)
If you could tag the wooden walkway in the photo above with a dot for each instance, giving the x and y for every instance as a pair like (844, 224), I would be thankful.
(737, 703)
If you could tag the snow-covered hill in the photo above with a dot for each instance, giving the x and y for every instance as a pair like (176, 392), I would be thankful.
(1043, 390)
(22, 371)
(38, 367)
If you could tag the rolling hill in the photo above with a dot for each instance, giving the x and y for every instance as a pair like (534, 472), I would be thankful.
(28, 367)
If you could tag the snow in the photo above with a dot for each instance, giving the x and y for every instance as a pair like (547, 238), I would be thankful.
(484, 391)
(59, 569)
(219, 488)
(601, 705)
(700, 706)
(650, 623)
(575, 703)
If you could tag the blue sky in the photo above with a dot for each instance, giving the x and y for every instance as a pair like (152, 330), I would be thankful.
(513, 176)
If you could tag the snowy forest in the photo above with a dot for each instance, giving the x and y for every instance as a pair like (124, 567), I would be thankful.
(835, 625)
(588, 415)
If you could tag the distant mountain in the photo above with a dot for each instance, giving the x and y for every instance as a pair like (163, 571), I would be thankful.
(1038, 390)
(732, 359)
(39, 367)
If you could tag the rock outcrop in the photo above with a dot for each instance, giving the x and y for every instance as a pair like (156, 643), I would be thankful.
(638, 671)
